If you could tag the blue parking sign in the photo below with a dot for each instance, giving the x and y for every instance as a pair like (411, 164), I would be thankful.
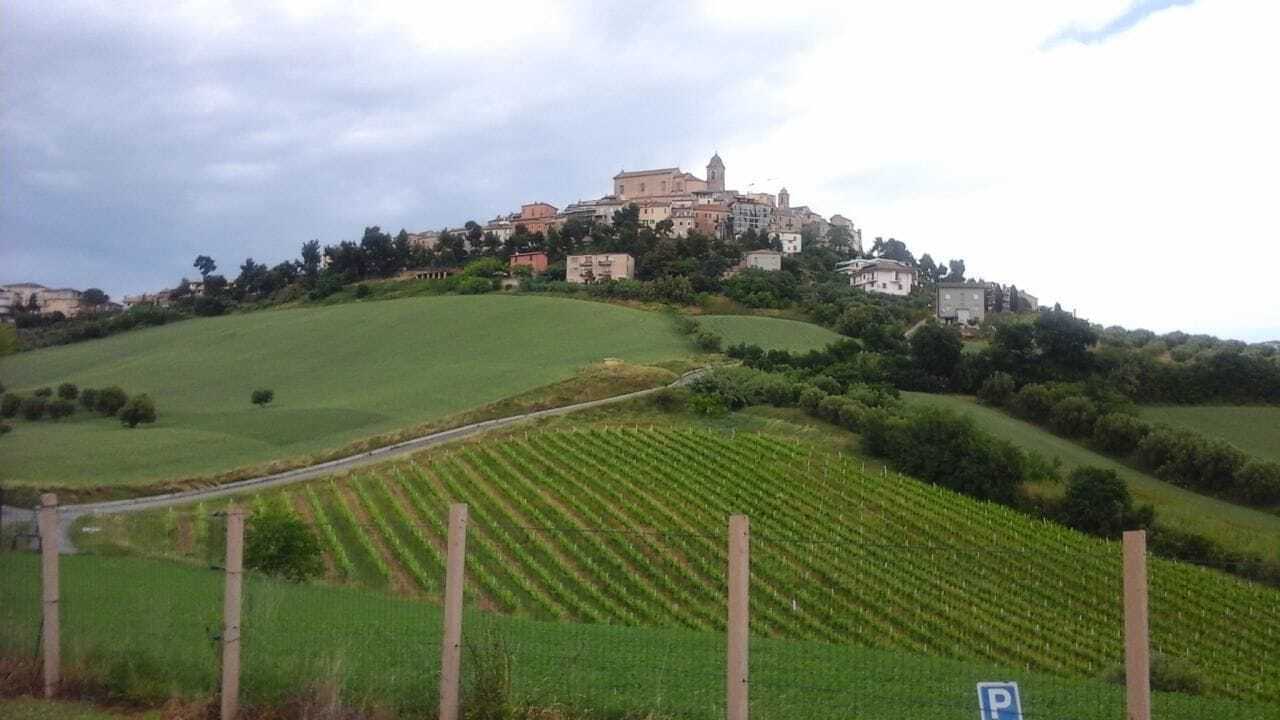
(999, 701)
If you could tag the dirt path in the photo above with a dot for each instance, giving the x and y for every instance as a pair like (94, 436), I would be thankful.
(68, 514)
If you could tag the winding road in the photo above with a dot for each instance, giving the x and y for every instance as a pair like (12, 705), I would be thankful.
(69, 513)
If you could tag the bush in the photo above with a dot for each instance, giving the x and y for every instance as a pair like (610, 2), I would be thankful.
(1259, 482)
(707, 341)
(33, 408)
(878, 396)
(1168, 674)
(278, 543)
(68, 391)
(61, 408)
(44, 392)
(1074, 416)
(811, 397)
(1098, 502)
(9, 405)
(1034, 402)
(1119, 432)
(362, 291)
(5, 428)
(669, 399)
(89, 399)
(110, 400)
(473, 286)
(262, 397)
(709, 405)
(140, 409)
(998, 389)
(826, 384)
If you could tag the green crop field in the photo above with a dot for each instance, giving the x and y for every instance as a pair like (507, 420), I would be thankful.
(1235, 526)
(627, 527)
(1252, 428)
(339, 373)
(769, 333)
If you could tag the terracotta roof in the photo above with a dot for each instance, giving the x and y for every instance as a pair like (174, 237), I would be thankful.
(637, 173)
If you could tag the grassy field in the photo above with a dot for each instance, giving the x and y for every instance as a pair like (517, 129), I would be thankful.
(1233, 525)
(339, 373)
(1254, 429)
(33, 709)
(769, 333)
(626, 527)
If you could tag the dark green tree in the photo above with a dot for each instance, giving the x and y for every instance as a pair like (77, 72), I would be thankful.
(1098, 502)
(205, 265)
(94, 297)
(310, 261)
(262, 397)
(936, 349)
(110, 400)
(278, 543)
(139, 409)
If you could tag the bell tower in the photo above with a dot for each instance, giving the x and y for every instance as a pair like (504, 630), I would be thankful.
(715, 173)
(784, 199)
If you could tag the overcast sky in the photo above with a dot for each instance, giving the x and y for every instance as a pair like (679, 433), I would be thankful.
(1119, 157)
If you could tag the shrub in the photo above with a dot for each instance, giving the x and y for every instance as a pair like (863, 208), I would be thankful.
(709, 405)
(68, 391)
(1098, 502)
(44, 392)
(669, 399)
(9, 404)
(826, 384)
(89, 399)
(686, 325)
(262, 397)
(474, 286)
(5, 428)
(362, 291)
(878, 396)
(1034, 402)
(280, 544)
(110, 400)
(61, 408)
(1119, 432)
(810, 398)
(139, 409)
(33, 408)
(707, 341)
(1168, 674)
(998, 389)
(1074, 416)
(1259, 482)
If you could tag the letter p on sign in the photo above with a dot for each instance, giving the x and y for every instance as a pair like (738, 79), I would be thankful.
(999, 701)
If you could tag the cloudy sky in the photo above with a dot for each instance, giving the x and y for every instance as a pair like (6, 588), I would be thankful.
(1117, 156)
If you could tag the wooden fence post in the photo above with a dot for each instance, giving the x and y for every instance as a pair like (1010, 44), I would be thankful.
(1137, 651)
(451, 643)
(736, 684)
(231, 614)
(50, 631)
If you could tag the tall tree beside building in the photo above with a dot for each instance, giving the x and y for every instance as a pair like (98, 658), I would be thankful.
(955, 272)
(928, 268)
(93, 297)
(310, 261)
(205, 265)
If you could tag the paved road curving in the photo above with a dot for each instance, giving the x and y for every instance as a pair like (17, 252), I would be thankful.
(69, 513)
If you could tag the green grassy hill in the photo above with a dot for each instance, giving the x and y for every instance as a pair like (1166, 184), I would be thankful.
(1235, 526)
(627, 527)
(769, 333)
(339, 373)
(1252, 428)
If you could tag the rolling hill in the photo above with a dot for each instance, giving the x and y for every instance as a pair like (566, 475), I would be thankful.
(768, 332)
(339, 373)
(1235, 526)
(1252, 428)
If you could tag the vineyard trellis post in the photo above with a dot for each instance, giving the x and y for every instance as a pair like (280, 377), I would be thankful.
(231, 613)
(47, 521)
(1137, 651)
(736, 681)
(451, 644)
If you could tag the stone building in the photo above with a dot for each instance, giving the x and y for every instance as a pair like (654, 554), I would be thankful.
(762, 260)
(47, 300)
(600, 267)
(792, 243)
(747, 215)
(961, 303)
(711, 220)
(537, 217)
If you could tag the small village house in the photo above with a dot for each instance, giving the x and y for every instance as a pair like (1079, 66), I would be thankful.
(961, 303)
(887, 277)
(599, 267)
(535, 261)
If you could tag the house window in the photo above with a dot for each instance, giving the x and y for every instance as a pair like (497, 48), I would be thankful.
(946, 296)
(641, 187)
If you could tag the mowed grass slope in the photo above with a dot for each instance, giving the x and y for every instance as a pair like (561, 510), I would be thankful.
(627, 527)
(1252, 428)
(339, 373)
(768, 332)
(1235, 526)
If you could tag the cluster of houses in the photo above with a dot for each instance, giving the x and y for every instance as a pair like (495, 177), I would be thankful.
(33, 297)
(689, 202)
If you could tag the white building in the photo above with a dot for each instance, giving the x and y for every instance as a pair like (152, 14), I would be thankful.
(887, 277)
(762, 260)
(791, 243)
(6, 306)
